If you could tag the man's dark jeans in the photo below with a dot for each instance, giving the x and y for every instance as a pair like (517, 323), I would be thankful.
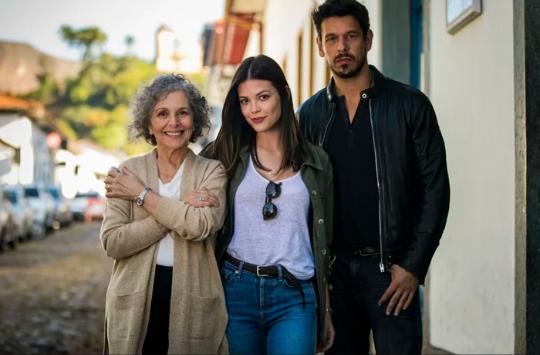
(357, 285)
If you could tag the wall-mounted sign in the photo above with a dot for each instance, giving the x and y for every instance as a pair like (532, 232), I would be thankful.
(460, 12)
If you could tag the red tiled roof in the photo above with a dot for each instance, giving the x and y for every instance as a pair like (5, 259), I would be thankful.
(16, 104)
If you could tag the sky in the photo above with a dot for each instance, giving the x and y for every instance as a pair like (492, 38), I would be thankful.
(37, 22)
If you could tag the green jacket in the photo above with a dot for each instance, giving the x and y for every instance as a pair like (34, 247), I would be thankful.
(316, 172)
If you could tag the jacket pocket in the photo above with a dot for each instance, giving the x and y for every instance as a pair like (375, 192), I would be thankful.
(124, 316)
(206, 317)
(128, 300)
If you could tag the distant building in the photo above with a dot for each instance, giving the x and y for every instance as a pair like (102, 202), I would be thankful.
(84, 168)
(173, 56)
(228, 41)
(25, 157)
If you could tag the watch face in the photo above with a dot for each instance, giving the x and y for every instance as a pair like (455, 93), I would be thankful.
(140, 199)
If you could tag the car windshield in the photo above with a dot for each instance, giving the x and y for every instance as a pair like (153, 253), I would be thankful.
(11, 196)
(31, 192)
(54, 193)
(86, 195)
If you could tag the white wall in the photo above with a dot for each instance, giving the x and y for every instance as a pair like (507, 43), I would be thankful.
(35, 164)
(15, 130)
(374, 8)
(472, 275)
(284, 20)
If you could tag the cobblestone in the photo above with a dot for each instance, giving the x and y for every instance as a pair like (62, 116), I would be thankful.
(52, 294)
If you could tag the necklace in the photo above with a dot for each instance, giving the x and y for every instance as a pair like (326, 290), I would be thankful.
(270, 172)
(263, 169)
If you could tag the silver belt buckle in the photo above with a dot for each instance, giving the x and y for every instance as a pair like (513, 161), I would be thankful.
(259, 271)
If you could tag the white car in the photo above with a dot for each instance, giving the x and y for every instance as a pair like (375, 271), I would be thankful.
(42, 208)
(7, 235)
(21, 212)
(62, 211)
(87, 206)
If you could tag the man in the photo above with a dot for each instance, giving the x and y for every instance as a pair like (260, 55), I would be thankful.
(391, 186)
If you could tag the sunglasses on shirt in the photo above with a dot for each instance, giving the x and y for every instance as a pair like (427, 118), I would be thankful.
(269, 209)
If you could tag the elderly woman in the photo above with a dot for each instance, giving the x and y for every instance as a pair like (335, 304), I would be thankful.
(163, 208)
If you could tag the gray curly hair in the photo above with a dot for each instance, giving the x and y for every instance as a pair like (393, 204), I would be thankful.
(148, 96)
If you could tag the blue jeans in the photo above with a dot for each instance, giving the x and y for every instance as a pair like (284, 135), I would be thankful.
(266, 315)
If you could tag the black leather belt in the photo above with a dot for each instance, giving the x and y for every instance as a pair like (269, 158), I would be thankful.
(269, 271)
(363, 251)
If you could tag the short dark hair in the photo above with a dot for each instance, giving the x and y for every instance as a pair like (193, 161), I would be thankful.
(235, 132)
(162, 85)
(339, 8)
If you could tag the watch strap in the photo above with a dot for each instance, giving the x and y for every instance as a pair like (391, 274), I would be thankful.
(140, 199)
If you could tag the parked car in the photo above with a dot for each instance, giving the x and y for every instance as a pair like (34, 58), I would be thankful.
(21, 212)
(62, 215)
(42, 208)
(7, 235)
(88, 206)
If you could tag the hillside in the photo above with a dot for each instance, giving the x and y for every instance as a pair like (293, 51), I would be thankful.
(21, 65)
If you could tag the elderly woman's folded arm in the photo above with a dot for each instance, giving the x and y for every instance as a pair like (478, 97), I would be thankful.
(190, 222)
(121, 238)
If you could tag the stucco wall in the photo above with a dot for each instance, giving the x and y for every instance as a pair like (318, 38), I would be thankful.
(472, 276)
(35, 163)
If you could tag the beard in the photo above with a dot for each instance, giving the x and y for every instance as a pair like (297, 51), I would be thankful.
(349, 71)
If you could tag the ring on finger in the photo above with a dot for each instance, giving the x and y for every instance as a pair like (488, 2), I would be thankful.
(201, 198)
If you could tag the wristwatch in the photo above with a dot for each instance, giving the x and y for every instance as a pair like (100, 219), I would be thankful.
(139, 201)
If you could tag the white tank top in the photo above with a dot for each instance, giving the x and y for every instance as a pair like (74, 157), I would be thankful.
(171, 189)
(282, 240)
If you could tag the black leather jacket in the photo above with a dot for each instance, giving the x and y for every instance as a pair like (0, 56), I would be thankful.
(410, 162)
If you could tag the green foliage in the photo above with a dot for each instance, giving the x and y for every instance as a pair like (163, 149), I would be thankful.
(86, 38)
(48, 90)
(111, 136)
(66, 129)
(137, 147)
(199, 80)
(125, 83)
(96, 102)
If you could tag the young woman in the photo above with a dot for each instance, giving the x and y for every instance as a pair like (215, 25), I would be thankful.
(273, 248)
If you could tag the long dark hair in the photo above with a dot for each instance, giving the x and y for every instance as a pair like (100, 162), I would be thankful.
(235, 132)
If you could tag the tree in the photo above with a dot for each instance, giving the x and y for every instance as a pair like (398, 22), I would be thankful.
(87, 37)
(96, 102)
(48, 90)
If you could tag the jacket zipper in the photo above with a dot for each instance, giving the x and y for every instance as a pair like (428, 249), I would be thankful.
(381, 262)
(321, 143)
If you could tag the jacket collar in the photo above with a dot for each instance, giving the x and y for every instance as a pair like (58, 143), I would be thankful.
(312, 159)
(379, 82)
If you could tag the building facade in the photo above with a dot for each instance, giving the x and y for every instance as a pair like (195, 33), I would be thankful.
(28, 155)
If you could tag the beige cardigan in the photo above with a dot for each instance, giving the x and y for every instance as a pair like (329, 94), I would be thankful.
(198, 317)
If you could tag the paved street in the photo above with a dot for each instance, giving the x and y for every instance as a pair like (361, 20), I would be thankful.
(52, 293)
